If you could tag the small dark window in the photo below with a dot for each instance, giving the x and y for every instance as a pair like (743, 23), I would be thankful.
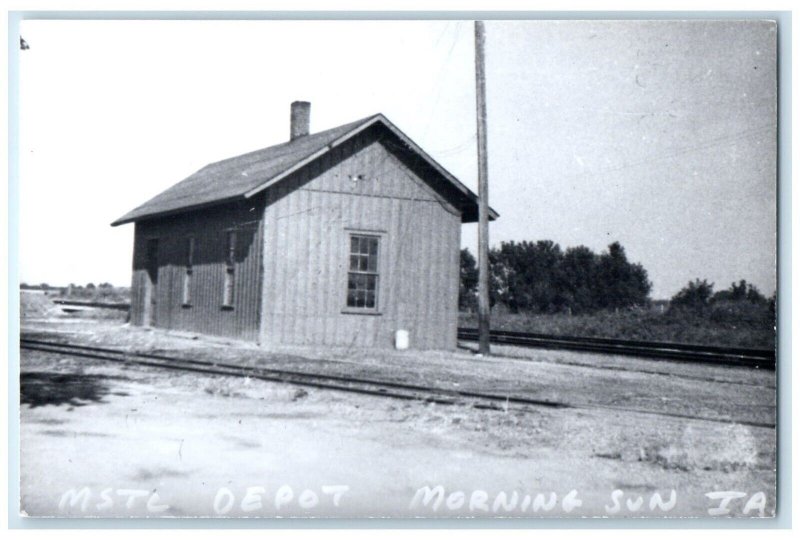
(187, 275)
(362, 278)
(230, 265)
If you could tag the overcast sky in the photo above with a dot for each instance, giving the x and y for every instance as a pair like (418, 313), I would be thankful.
(660, 135)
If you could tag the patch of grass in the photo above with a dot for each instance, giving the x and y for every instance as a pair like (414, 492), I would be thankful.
(668, 456)
(724, 325)
(609, 455)
(679, 456)
(224, 387)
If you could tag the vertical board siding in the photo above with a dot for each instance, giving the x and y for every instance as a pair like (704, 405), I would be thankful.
(137, 279)
(206, 313)
(359, 186)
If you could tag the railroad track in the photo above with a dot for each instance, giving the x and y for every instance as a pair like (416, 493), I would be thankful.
(334, 382)
(724, 356)
(375, 387)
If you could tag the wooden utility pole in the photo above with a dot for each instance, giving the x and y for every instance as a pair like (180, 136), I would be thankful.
(483, 193)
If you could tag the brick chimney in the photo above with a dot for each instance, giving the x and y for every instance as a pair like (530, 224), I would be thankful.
(300, 119)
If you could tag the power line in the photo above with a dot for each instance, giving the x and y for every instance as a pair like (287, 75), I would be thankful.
(442, 69)
(697, 148)
(460, 147)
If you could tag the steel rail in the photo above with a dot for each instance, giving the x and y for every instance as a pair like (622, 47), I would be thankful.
(753, 358)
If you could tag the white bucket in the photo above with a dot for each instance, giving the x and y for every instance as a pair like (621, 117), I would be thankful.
(401, 340)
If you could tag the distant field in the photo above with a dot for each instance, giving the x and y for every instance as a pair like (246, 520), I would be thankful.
(730, 327)
(104, 293)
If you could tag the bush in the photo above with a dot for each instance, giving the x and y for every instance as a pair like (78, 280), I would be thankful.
(468, 284)
(695, 296)
(740, 292)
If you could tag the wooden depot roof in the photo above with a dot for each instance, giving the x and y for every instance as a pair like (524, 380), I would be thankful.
(244, 176)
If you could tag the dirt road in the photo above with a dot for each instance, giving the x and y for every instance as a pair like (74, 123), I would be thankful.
(108, 440)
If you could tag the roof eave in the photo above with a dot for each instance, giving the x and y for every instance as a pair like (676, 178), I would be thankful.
(152, 215)
(473, 218)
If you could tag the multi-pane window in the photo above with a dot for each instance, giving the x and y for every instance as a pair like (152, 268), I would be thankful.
(187, 275)
(362, 277)
(230, 265)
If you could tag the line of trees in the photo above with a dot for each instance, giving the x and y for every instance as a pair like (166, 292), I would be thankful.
(541, 277)
(698, 295)
(88, 286)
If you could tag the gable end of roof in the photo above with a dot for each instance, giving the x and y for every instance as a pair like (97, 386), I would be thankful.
(249, 174)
